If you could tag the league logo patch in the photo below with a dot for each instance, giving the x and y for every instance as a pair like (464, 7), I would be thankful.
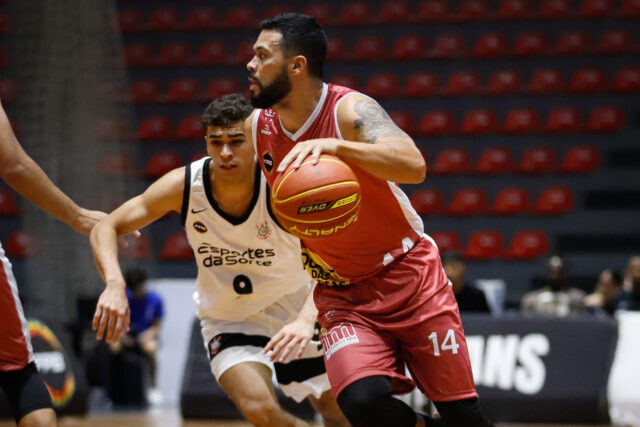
(267, 161)
(200, 227)
(263, 230)
(337, 338)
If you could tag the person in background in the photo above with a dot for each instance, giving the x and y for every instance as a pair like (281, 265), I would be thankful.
(469, 298)
(557, 298)
(630, 299)
(604, 297)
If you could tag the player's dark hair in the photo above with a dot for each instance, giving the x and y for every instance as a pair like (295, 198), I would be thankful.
(135, 278)
(225, 110)
(301, 35)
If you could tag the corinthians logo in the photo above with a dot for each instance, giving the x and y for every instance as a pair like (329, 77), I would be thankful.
(337, 338)
(263, 230)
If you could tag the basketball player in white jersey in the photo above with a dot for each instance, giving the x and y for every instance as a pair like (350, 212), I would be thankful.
(251, 291)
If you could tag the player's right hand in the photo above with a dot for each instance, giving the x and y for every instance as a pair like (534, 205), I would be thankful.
(112, 314)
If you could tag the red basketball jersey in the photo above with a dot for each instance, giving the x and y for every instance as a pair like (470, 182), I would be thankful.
(387, 225)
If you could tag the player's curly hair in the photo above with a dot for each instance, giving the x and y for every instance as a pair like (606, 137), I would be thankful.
(226, 110)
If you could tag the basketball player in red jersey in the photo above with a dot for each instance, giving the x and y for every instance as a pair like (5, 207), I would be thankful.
(383, 298)
(26, 392)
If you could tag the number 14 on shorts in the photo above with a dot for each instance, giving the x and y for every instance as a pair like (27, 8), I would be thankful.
(448, 344)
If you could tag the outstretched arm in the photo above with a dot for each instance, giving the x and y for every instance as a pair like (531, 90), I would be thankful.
(162, 197)
(23, 175)
(387, 153)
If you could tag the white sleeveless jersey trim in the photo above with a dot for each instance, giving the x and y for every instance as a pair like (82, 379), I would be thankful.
(312, 118)
(254, 128)
(244, 264)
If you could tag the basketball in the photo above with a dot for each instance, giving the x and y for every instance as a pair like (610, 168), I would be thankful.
(316, 201)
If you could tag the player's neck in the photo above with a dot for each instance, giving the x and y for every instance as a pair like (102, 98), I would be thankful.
(296, 108)
(234, 197)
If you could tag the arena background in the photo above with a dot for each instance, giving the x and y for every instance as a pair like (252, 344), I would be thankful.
(527, 113)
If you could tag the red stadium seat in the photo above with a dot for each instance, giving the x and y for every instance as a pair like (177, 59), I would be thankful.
(202, 18)
(555, 9)
(596, 8)
(527, 244)
(22, 245)
(468, 201)
(137, 55)
(573, 43)
(212, 53)
(588, 80)
(117, 164)
(538, 160)
(144, 91)
(8, 206)
(531, 43)
(138, 248)
(190, 128)
(404, 120)
(395, 12)
(563, 120)
(176, 248)
(452, 160)
(627, 80)
(433, 11)
(221, 86)
(155, 127)
(163, 19)
(322, 12)
(161, 163)
(383, 85)
(8, 91)
(554, 201)
(346, 80)
(449, 46)
(473, 10)
(336, 49)
(480, 121)
(244, 53)
(464, 83)
(614, 42)
(631, 8)
(581, 159)
(437, 122)
(370, 48)
(175, 53)
(241, 17)
(421, 84)
(129, 20)
(495, 160)
(514, 9)
(183, 90)
(427, 201)
(110, 129)
(277, 10)
(504, 82)
(355, 13)
(410, 46)
(547, 81)
(606, 119)
(521, 120)
(447, 241)
(490, 45)
(484, 244)
(511, 201)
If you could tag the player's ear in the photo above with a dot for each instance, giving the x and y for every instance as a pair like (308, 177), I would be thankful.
(298, 63)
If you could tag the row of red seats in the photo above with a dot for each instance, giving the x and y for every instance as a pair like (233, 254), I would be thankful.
(391, 12)
(499, 160)
(602, 119)
(509, 201)
(488, 244)
(161, 162)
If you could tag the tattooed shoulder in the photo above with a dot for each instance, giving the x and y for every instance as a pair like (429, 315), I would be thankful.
(374, 123)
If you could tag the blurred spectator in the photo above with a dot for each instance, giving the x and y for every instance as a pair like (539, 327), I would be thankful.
(604, 298)
(469, 298)
(630, 299)
(557, 297)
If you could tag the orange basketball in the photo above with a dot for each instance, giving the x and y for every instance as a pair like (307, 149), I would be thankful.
(316, 201)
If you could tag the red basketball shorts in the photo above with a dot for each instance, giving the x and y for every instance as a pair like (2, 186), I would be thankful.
(404, 315)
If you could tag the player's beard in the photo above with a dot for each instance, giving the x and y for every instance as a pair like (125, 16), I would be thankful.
(272, 93)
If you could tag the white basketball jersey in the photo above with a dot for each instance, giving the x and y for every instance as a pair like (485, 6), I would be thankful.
(246, 263)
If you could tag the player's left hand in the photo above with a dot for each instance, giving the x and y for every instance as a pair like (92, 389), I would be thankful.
(301, 150)
(296, 334)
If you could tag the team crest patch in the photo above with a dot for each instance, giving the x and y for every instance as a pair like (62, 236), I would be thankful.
(214, 346)
(337, 338)
(263, 230)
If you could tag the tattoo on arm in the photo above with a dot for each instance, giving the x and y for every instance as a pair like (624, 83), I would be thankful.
(375, 122)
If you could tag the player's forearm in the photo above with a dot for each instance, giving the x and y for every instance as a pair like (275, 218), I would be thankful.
(386, 159)
(309, 312)
(104, 245)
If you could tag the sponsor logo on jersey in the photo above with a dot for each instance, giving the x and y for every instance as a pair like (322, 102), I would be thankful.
(267, 161)
(200, 227)
(214, 346)
(214, 256)
(195, 211)
(311, 231)
(338, 338)
(323, 206)
(321, 271)
(263, 231)
(266, 129)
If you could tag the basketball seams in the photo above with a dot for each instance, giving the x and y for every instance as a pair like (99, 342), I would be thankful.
(324, 187)
(300, 221)
(321, 159)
